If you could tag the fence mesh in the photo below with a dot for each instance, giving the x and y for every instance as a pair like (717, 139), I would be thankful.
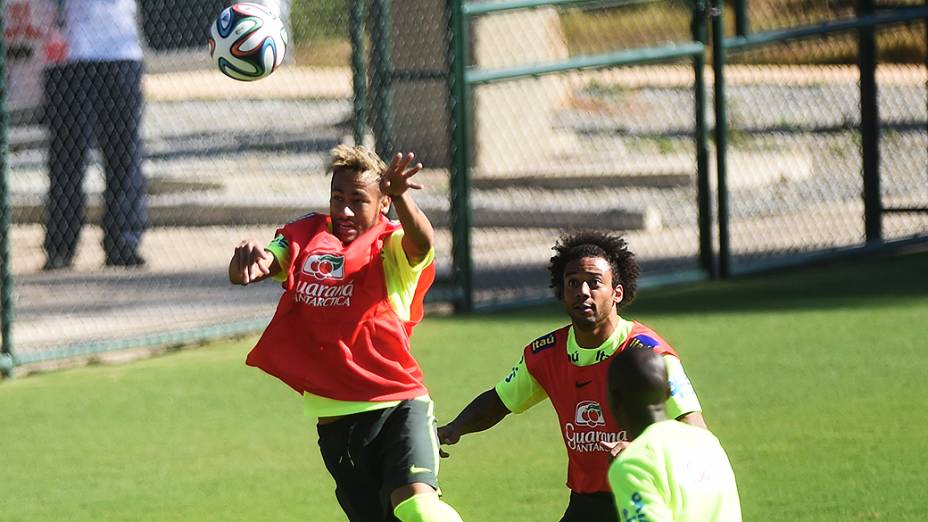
(769, 16)
(794, 157)
(216, 160)
(903, 107)
(221, 160)
(610, 148)
(613, 149)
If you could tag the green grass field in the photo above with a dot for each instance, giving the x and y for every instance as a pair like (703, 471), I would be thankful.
(814, 380)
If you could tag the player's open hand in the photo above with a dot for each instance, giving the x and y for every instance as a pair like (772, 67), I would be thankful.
(250, 263)
(397, 178)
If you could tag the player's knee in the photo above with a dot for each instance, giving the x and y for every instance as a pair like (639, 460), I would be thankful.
(425, 507)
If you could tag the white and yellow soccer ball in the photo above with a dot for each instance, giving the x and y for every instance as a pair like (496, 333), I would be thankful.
(247, 42)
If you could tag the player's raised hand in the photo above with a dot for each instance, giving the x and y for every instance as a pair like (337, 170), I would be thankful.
(250, 263)
(396, 180)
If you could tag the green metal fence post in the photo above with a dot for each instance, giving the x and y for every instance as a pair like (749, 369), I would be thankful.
(6, 274)
(741, 17)
(358, 72)
(703, 190)
(382, 80)
(721, 134)
(869, 126)
(461, 262)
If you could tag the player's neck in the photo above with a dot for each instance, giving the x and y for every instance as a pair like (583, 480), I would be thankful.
(594, 335)
(640, 420)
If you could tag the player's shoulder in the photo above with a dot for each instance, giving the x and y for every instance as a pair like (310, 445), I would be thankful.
(306, 217)
(391, 236)
(303, 224)
(654, 437)
(638, 459)
(642, 336)
(547, 341)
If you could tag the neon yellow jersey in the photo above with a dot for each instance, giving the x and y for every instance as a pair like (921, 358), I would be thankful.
(673, 472)
(401, 279)
(519, 391)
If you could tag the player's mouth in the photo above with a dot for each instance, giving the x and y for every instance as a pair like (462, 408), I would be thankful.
(585, 308)
(344, 229)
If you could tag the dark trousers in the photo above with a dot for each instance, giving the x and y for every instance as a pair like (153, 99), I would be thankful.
(591, 507)
(91, 102)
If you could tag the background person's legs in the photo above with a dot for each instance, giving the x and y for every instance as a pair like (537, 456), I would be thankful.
(70, 126)
(118, 104)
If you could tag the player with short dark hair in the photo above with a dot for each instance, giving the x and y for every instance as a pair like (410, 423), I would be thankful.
(354, 283)
(593, 274)
(670, 471)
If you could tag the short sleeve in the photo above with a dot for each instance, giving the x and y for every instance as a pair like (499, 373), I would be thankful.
(683, 398)
(279, 247)
(401, 277)
(520, 391)
(637, 495)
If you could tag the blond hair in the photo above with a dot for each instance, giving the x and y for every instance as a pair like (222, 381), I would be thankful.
(358, 160)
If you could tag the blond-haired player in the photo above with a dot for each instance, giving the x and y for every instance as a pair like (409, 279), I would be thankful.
(354, 283)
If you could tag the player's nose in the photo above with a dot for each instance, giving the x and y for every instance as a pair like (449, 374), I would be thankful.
(342, 211)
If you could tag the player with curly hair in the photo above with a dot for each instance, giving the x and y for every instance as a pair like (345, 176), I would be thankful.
(594, 276)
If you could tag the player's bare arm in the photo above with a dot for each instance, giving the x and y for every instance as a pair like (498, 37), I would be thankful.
(484, 412)
(396, 182)
(251, 263)
(693, 418)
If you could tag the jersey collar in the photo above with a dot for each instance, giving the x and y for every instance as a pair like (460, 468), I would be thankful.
(580, 356)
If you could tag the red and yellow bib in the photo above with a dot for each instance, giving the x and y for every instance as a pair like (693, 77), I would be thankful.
(579, 395)
(335, 333)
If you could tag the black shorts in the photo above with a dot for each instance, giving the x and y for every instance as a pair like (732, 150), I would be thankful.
(371, 454)
(591, 507)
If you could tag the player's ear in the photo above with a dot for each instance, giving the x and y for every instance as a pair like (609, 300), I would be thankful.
(385, 204)
(619, 294)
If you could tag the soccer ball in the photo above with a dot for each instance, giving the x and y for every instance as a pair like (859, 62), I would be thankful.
(247, 42)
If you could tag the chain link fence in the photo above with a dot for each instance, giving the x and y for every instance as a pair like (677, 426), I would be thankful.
(609, 147)
(798, 136)
(530, 119)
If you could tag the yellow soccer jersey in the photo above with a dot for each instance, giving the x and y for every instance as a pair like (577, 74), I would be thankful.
(674, 472)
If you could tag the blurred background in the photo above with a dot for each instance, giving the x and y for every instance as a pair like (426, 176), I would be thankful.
(718, 138)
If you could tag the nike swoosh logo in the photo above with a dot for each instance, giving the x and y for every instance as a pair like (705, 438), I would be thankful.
(582, 384)
(417, 469)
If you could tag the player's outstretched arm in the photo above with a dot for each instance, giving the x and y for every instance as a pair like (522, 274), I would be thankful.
(251, 263)
(484, 412)
(418, 234)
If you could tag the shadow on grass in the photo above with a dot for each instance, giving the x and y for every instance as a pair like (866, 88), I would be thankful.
(860, 283)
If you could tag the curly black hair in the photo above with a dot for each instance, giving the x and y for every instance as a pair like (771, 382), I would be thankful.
(594, 243)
